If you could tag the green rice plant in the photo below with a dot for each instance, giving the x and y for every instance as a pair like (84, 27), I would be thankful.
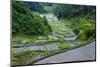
(64, 46)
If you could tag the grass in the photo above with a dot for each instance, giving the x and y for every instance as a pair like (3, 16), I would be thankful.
(64, 46)
(16, 39)
(26, 57)
(59, 27)
(23, 57)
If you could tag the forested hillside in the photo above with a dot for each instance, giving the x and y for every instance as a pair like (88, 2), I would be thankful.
(27, 22)
(70, 11)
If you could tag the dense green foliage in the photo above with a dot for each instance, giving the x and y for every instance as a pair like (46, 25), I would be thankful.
(26, 57)
(90, 32)
(69, 11)
(80, 18)
(64, 46)
(35, 6)
(26, 21)
(76, 31)
(85, 26)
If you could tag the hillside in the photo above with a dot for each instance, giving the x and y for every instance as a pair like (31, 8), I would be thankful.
(27, 22)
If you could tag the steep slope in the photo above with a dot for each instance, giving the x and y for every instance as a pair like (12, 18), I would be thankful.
(26, 21)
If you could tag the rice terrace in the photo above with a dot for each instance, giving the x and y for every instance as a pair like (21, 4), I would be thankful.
(45, 33)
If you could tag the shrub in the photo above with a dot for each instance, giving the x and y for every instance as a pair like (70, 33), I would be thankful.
(76, 31)
(89, 33)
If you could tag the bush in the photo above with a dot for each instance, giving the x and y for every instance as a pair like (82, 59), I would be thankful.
(76, 31)
(84, 27)
(89, 33)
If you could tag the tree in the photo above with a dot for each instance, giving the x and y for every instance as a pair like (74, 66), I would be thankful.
(69, 11)
(35, 6)
(26, 21)
(76, 31)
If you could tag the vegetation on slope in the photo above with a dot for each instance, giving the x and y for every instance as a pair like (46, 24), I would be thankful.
(80, 18)
(69, 11)
(27, 22)
(30, 28)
